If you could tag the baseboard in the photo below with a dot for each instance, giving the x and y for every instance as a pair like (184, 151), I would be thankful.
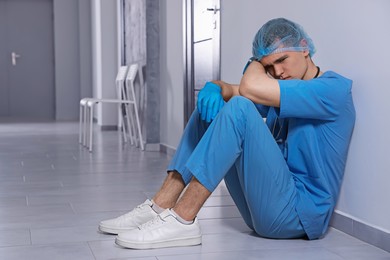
(167, 149)
(358, 229)
(108, 127)
(152, 147)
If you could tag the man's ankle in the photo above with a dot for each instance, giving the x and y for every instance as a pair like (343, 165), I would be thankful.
(180, 219)
(157, 208)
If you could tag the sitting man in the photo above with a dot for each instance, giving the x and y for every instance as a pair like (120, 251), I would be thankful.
(283, 174)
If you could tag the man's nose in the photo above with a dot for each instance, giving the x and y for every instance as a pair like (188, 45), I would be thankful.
(278, 71)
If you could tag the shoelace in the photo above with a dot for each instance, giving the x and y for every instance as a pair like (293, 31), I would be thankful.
(156, 221)
(134, 211)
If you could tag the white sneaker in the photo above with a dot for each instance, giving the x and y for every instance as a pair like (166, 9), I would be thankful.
(163, 231)
(138, 216)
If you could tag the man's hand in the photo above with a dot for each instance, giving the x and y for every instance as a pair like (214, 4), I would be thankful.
(210, 101)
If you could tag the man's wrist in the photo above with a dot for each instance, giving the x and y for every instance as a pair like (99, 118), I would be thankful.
(251, 59)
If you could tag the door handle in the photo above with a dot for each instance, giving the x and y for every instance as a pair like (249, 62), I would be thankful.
(14, 56)
(215, 9)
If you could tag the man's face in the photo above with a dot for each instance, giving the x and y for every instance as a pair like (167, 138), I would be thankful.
(287, 65)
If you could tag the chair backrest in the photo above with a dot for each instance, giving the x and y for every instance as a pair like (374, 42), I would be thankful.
(141, 66)
(120, 81)
(130, 78)
(132, 73)
(121, 76)
(136, 92)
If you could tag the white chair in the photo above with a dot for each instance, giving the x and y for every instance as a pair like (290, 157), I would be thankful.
(131, 110)
(135, 129)
(85, 117)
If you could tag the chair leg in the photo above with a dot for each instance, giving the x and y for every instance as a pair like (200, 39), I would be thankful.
(128, 122)
(91, 105)
(141, 142)
(81, 124)
(121, 126)
(124, 127)
(133, 125)
(85, 124)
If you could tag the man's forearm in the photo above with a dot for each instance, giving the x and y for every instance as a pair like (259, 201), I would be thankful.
(257, 86)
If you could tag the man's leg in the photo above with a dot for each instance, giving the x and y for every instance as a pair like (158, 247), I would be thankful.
(240, 146)
(178, 174)
(263, 187)
(217, 151)
(208, 160)
(216, 154)
(193, 133)
(192, 200)
(267, 210)
(171, 188)
(170, 191)
(218, 147)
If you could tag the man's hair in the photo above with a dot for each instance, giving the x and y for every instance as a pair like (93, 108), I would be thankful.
(280, 35)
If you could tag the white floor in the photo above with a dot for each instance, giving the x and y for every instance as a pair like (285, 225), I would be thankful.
(53, 193)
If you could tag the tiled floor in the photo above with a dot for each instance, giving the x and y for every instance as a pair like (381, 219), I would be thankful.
(53, 193)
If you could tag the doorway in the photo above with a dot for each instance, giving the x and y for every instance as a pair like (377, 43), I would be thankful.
(26, 59)
(202, 48)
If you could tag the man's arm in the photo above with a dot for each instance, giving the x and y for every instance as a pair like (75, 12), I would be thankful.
(228, 90)
(257, 86)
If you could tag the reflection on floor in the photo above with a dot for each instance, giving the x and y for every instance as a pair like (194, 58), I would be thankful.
(53, 193)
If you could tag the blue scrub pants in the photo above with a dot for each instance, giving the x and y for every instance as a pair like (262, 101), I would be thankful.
(238, 147)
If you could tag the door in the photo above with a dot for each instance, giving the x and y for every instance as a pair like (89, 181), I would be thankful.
(26, 59)
(202, 56)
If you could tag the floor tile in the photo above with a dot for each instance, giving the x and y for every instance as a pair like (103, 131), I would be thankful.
(64, 235)
(290, 254)
(58, 252)
(360, 252)
(14, 237)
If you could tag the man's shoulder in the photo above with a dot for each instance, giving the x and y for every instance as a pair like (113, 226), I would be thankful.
(331, 75)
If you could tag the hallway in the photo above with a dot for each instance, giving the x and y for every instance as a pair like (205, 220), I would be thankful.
(53, 193)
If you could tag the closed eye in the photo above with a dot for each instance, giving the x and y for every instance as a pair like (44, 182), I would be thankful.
(281, 59)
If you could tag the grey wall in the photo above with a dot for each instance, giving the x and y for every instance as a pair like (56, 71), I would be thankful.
(171, 71)
(85, 34)
(153, 91)
(72, 41)
(142, 34)
(105, 59)
(67, 64)
(135, 30)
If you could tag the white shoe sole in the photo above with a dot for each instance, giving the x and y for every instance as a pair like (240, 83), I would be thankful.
(189, 241)
(113, 231)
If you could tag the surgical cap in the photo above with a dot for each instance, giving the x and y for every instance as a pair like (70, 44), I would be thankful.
(280, 35)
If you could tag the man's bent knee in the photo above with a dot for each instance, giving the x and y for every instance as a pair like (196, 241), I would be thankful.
(240, 104)
(241, 101)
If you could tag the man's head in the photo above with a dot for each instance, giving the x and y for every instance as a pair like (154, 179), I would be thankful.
(281, 35)
(284, 49)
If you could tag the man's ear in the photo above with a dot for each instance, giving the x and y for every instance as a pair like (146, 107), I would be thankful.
(303, 43)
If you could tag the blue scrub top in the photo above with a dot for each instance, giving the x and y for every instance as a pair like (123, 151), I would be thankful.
(321, 116)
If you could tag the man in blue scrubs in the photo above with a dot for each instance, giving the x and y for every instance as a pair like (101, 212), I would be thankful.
(284, 174)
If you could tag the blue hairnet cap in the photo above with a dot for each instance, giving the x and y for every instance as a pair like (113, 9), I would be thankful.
(280, 35)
